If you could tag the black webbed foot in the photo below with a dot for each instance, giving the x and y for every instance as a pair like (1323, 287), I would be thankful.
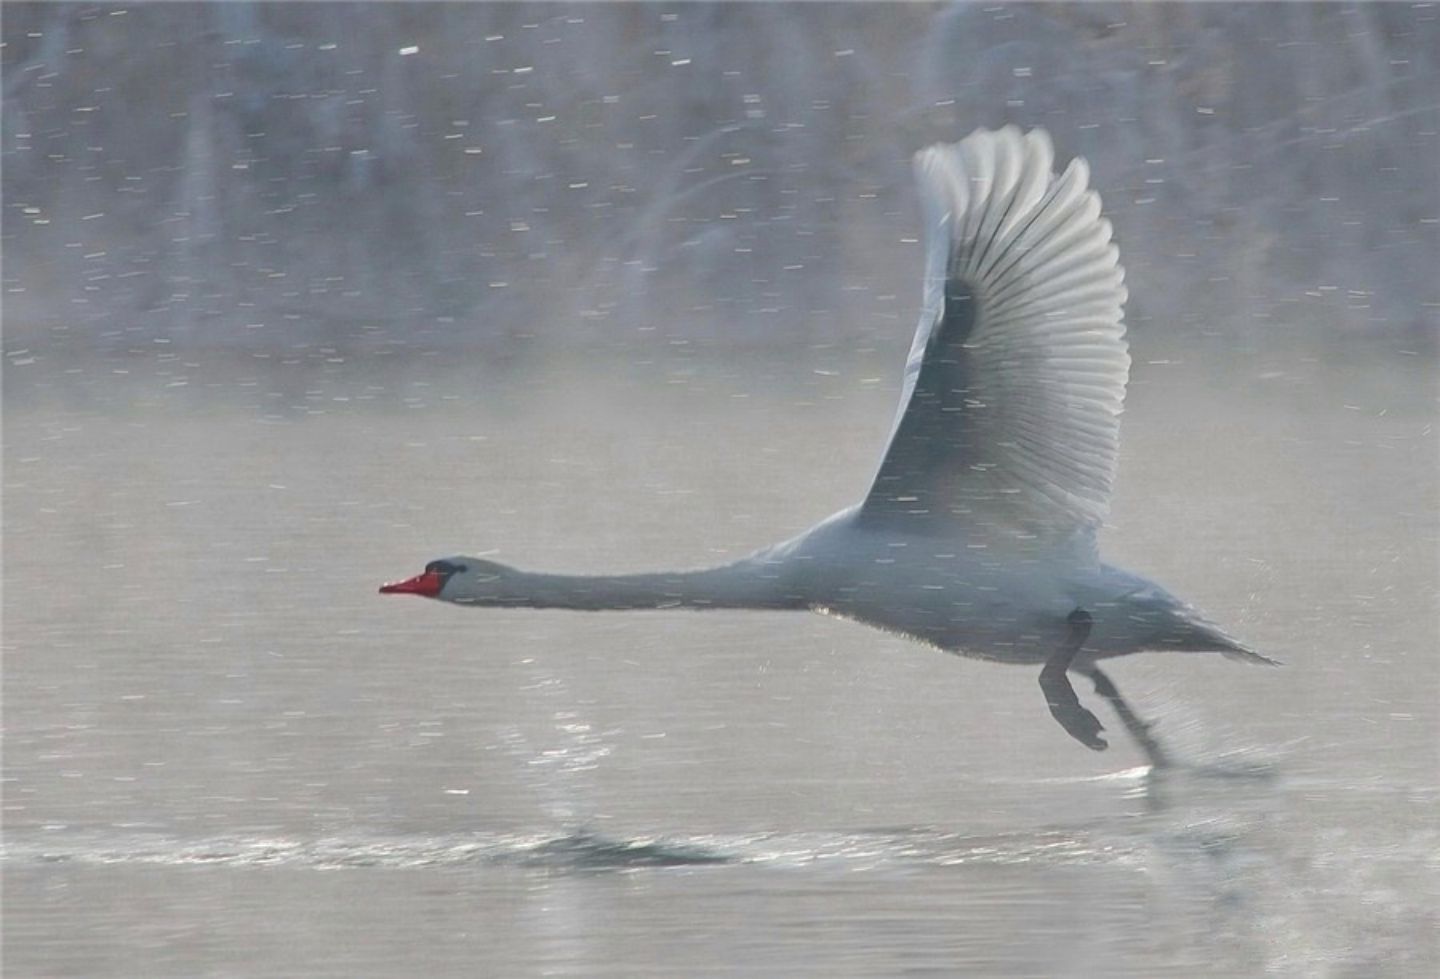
(1080, 723)
(1065, 707)
(1139, 729)
(1060, 696)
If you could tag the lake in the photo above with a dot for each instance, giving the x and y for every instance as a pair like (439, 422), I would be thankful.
(227, 755)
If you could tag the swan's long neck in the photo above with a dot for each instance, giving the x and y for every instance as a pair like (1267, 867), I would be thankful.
(744, 585)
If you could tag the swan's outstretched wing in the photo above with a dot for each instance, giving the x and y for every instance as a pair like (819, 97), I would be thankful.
(1009, 420)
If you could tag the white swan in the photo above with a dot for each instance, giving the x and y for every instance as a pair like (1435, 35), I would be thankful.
(978, 534)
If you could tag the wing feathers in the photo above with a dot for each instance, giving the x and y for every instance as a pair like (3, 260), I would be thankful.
(1016, 379)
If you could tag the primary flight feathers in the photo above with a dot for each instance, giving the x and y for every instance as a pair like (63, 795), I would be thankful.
(1009, 417)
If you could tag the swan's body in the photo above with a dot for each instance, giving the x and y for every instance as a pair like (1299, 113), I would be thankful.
(978, 534)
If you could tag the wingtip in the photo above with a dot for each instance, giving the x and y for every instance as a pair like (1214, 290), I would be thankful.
(1022, 142)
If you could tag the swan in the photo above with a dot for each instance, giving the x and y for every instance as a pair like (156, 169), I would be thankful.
(978, 534)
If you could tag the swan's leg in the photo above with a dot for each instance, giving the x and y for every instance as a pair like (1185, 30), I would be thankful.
(1065, 707)
(1139, 730)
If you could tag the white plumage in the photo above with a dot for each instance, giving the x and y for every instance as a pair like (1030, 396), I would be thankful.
(1009, 418)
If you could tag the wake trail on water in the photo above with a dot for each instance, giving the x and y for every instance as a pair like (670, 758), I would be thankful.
(573, 851)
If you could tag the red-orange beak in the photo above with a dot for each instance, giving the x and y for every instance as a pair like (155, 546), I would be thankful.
(428, 584)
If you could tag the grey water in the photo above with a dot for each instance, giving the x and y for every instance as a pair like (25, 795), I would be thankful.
(227, 755)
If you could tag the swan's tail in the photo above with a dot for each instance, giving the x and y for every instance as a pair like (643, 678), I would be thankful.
(1205, 635)
(1244, 654)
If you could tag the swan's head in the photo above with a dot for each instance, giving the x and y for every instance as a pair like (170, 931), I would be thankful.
(469, 580)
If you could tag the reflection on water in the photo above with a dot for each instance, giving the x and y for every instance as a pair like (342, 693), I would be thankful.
(576, 851)
(1221, 867)
(224, 752)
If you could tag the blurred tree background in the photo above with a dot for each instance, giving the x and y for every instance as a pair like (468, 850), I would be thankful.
(507, 178)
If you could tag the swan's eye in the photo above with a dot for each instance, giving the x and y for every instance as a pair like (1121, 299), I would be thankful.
(461, 568)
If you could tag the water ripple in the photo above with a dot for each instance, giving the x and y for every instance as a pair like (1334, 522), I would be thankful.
(576, 851)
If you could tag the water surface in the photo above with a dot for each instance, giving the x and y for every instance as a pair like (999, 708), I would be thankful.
(226, 755)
